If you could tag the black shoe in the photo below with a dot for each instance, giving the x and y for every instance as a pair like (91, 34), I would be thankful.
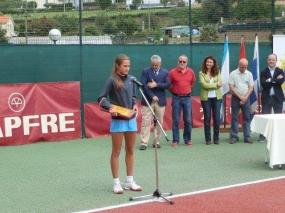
(143, 147)
(158, 146)
(261, 138)
(248, 140)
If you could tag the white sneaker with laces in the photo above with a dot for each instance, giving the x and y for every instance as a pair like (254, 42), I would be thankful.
(117, 188)
(133, 186)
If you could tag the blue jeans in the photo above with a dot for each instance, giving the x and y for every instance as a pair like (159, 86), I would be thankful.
(212, 105)
(178, 104)
(245, 108)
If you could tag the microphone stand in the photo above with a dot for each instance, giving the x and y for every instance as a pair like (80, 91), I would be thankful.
(156, 194)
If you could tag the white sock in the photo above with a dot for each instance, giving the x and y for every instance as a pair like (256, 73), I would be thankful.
(116, 180)
(130, 179)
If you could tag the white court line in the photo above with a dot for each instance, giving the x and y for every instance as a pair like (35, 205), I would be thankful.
(180, 195)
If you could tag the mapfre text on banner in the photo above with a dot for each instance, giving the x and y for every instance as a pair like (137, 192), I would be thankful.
(39, 112)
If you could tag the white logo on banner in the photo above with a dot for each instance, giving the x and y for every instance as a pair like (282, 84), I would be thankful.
(16, 102)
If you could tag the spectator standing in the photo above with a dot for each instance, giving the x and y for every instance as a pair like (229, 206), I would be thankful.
(121, 91)
(155, 81)
(182, 79)
(241, 86)
(271, 79)
(211, 97)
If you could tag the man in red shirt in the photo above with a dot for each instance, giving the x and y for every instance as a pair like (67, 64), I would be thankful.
(182, 79)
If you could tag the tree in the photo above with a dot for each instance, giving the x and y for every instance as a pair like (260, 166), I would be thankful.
(66, 24)
(209, 34)
(110, 27)
(10, 6)
(104, 4)
(164, 2)
(137, 3)
(248, 9)
(91, 30)
(32, 5)
(41, 26)
(3, 39)
(213, 10)
(127, 24)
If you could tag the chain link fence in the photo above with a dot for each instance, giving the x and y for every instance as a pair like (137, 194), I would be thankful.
(140, 22)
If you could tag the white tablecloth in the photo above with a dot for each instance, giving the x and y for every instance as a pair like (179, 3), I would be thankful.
(272, 126)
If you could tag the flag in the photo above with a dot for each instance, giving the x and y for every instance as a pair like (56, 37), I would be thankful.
(242, 49)
(255, 74)
(225, 75)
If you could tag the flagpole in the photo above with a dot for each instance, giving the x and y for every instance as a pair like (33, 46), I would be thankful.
(225, 103)
(258, 82)
(254, 96)
(225, 87)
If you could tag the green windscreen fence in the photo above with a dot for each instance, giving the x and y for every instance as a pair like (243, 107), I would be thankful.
(92, 64)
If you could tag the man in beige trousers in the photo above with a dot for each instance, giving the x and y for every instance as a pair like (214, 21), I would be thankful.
(155, 81)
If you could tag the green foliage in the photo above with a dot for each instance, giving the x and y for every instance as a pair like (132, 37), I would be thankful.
(32, 5)
(209, 34)
(100, 19)
(181, 4)
(180, 16)
(117, 7)
(119, 38)
(213, 10)
(130, 21)
(10, 6)
(91, 30)
(270, 38)
(58, 7)
(136, 2)
(165, 39)
(151, 20)
(197, 20)
(127, 25)
(104, 4)
(110, 27)
(3, 39)
(248, 9)
(66, 24)
(40, 26)
(164, 2)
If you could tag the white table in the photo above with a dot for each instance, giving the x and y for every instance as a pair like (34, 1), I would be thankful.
(272, 126)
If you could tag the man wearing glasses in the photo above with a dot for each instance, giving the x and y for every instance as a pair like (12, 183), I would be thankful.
(182, 79)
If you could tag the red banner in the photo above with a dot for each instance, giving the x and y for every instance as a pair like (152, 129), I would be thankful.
(39, 112)
(97, 123)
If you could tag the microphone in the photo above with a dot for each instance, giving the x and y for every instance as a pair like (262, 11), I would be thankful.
(133, 79)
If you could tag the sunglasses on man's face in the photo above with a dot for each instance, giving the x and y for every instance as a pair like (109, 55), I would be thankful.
(182, 62)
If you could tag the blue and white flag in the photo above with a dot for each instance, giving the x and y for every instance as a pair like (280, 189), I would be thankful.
(225, 73)
(255, 73)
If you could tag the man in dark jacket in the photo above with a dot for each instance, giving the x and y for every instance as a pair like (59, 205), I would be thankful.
(272, 97)
(155, 81)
